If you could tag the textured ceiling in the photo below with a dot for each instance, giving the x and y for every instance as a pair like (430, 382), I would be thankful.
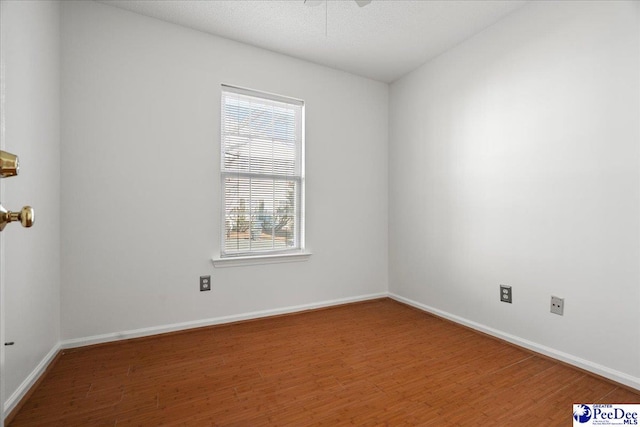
(383, 40)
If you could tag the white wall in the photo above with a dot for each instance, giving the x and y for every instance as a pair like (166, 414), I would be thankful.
(31, 264)
(140, 165)
(514, 158)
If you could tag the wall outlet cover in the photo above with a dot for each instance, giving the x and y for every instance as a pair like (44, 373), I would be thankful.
(205, 283)
(557, 305)
(505, 294)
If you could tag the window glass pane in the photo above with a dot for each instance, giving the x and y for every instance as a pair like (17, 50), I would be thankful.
(260, 214)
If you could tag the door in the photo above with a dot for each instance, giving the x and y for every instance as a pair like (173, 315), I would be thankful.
(2, 144)
(30, 77)
(9, 168)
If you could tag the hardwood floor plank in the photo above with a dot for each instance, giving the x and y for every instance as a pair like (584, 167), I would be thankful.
(367, 364)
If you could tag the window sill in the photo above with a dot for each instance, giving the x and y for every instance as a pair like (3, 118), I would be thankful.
(260, 259)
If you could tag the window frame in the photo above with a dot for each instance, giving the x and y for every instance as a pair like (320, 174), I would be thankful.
(298, 252)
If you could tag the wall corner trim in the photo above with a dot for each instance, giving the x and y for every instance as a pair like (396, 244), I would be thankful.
(595, 368)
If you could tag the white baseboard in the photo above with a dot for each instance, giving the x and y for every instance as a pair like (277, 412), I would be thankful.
(603, 371)
(26, 385)
(154, 330)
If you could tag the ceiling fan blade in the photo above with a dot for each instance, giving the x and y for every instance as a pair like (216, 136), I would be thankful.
(363, 3)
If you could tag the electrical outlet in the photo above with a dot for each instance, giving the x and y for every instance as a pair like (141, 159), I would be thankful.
(557, 305)
(205, 283)
(505, 294)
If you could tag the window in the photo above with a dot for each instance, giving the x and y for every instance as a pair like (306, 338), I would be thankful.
(262, 173)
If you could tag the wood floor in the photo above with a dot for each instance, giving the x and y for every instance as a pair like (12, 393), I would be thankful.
(366, 364)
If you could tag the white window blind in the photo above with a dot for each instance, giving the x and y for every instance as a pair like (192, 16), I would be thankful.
(262, 173)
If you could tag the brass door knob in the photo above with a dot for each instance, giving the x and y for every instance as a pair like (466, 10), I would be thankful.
(9, 164)
(26, 216)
